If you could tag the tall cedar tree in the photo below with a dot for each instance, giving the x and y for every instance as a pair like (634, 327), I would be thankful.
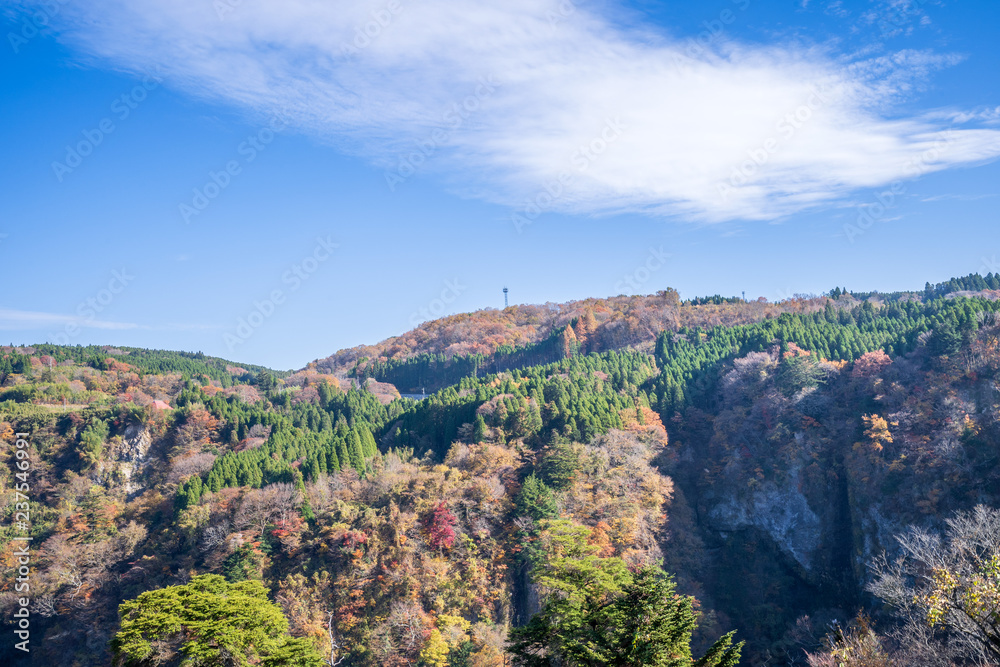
(536, 500)
(598, 613)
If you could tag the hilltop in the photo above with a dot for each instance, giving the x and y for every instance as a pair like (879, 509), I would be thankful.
(442, 351)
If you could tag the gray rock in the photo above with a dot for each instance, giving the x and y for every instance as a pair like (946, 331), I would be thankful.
(780, 511)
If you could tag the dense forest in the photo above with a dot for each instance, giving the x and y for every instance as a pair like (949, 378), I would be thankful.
(441, 352)
(622, 481)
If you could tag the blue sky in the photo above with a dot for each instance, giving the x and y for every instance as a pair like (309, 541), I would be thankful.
(558, 148)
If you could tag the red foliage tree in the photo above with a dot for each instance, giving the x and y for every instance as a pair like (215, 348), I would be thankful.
(440, 527)
(870, 363)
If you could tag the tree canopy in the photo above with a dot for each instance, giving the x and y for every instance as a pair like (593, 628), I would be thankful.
(208, 622)
(597, 612)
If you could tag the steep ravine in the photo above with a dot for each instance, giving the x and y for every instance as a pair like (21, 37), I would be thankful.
(774, 566)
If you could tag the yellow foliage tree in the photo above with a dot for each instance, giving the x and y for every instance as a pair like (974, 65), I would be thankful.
(952, 584)
(857, 646)
(435, 652)
(877, 432)
(454, 629)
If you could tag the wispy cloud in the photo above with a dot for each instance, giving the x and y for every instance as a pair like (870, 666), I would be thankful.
(20, 320)
(177, 326)
(952, 197)
(26, 320)
(376, 77)
(897, 17)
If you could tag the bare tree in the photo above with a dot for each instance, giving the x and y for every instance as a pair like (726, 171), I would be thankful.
(261, 507)
(76, 569)
(186, 466)
(215, 535)
(397, 639)
(335, 648)
(949, 584)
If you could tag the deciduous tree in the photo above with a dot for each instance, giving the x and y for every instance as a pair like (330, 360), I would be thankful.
(952, 584)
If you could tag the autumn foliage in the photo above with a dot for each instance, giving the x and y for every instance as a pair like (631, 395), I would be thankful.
(761, 453)
(440, 527)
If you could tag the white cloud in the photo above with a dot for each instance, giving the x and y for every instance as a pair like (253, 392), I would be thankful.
(896, 17)
(19, 320)
(27, 320)
(693, 113)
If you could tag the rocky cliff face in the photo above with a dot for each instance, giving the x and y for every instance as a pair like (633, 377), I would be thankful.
(133, 457)
(127, 459)
(796, 493)
(779, 510)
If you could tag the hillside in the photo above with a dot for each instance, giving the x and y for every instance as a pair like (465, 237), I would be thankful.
(441, 352)
(763, 454)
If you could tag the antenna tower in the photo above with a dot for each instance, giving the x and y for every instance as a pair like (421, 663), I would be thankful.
(504, 297)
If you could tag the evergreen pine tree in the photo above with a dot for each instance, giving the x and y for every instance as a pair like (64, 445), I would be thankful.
(355, 452)
(479, 429)
(536, 500)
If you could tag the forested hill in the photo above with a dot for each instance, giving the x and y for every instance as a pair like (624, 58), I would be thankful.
(142, 360)
(443, 351)
(181, 505)
(529, 334)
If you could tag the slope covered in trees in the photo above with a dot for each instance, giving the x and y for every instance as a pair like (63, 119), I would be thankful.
(142, 361)
(764, 465)
(386, 559)
(442, 352)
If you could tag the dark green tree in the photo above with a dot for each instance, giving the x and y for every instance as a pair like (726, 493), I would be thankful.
(536, 500)
(355, 451)
(265, 381)
(242, 564)
(559, 465)
(944, 340)
(798, 373)
(598, 613)
(649, 624)
(92, 442)
(479, 429)
(208, 622)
